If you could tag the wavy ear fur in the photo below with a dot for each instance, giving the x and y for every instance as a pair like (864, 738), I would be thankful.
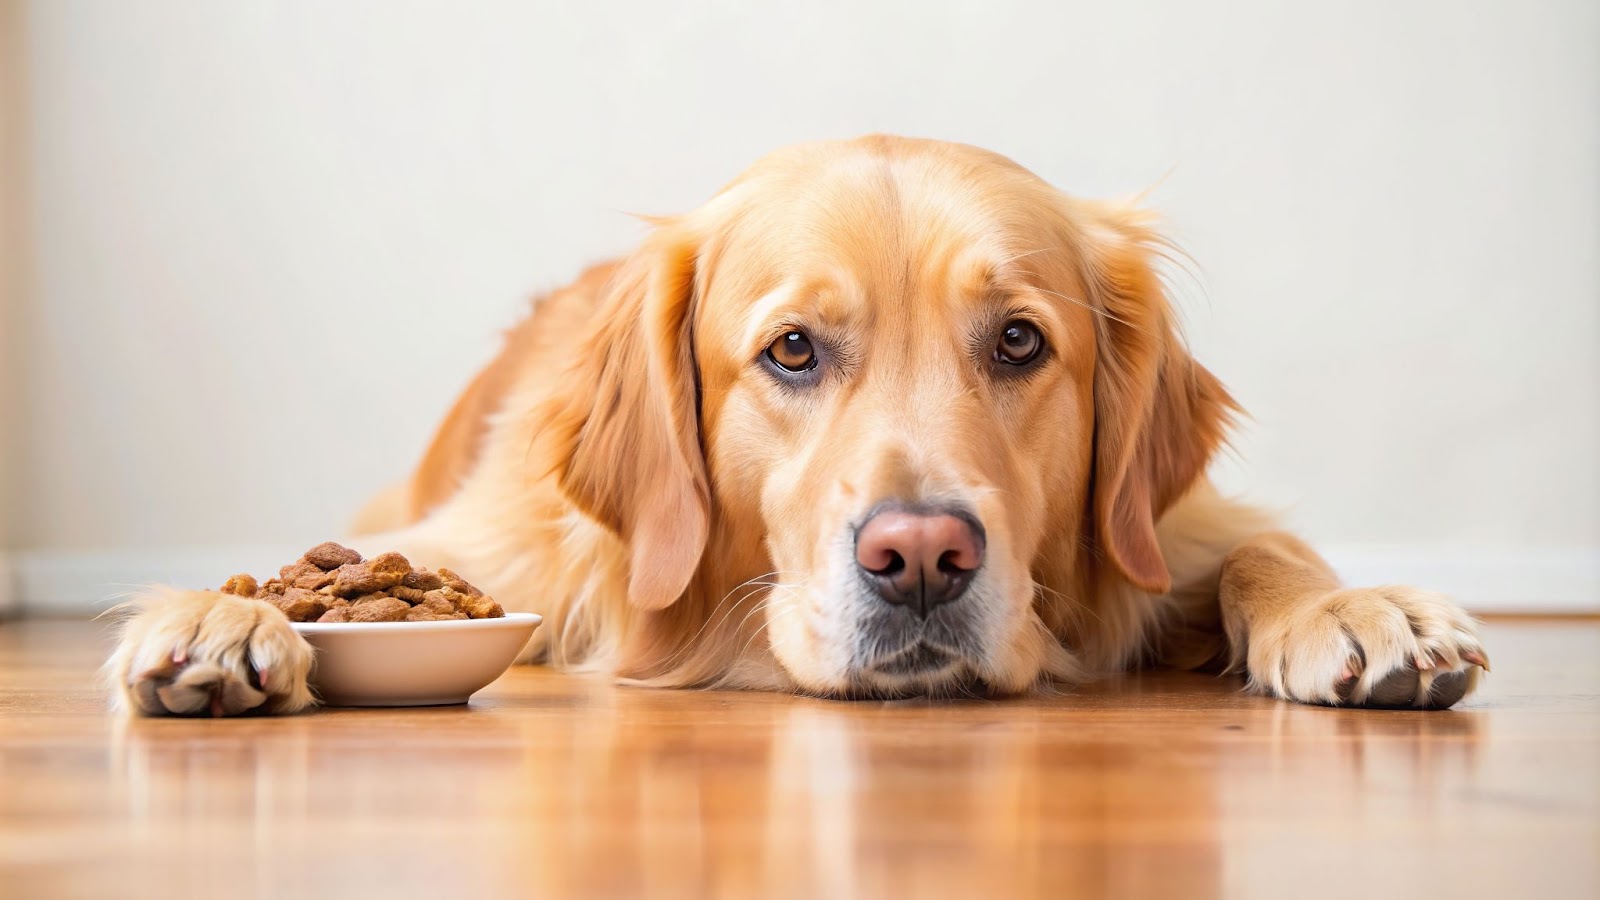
(628, 420)
(1159, 415)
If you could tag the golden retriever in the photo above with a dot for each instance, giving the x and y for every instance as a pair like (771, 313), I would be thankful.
(884, 417)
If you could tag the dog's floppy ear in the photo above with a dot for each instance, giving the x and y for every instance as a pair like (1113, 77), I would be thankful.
(1159, 415)
(627, 422)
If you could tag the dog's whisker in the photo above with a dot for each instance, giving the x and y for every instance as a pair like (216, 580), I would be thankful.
(1090, 307)
(725, 608)
(1068, 605)
(723, 636)
(766, 623)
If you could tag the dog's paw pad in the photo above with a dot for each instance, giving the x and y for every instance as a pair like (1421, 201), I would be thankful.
(203, 653)
(1380, 648)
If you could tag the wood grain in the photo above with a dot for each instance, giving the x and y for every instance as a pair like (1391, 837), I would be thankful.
(1165, 784)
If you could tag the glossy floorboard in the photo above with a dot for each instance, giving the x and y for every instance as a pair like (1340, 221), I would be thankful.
(1166, 784)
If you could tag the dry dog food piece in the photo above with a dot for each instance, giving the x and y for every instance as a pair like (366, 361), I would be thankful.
(328, 556)
(476, 607)
(480, 607)
(338, 614)
(332, 583)
(299, 604)
(305, 575)
(379, 609)
(456, 582)
(422, 580)
(436, 608)
(409, 595)
(241, 585)
(376, 574)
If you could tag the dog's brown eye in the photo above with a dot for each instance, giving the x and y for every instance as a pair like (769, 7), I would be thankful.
(793, 352)
(1019, 343)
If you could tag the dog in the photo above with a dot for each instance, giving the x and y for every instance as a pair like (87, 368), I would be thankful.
(884, 417)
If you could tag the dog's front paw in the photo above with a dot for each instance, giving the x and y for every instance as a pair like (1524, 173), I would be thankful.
(1384, 647)
(198, 653)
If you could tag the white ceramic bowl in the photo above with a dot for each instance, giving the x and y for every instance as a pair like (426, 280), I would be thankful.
(412, 663)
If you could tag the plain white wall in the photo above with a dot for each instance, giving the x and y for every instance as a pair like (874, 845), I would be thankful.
(12, 280)
(271, 241)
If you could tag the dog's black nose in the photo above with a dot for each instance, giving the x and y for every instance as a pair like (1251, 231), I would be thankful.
(919, 559)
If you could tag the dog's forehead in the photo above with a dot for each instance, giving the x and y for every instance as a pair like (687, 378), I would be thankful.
(870, 230)
(872, 214)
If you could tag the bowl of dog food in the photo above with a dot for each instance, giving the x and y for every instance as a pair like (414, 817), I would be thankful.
(390, 634)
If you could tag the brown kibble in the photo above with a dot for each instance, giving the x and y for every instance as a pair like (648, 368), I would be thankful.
(408, 594)
(376, 574)
(437, 606)
(305, 575)
(456, 582)
(328, 556)
(422, 580)
(331, 583)
(355, 579)
(314, 582)
(301, 605)
(391, 564)
(352, 580)
(481, 607)
(383, 609)
(241, 585)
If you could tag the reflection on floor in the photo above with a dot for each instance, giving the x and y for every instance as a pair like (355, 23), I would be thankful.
(1169, 784)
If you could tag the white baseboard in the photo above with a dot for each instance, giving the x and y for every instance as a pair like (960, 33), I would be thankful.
(1506, 580)
(1516, 580)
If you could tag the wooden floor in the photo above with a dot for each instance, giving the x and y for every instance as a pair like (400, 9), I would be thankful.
(1168, 785)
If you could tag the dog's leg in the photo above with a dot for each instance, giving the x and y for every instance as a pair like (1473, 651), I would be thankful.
(1301, 636)
(202, 653)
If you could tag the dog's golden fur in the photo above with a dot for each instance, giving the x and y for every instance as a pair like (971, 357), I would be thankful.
(630, 467)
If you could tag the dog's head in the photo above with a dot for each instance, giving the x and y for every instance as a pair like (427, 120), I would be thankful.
(908, 388)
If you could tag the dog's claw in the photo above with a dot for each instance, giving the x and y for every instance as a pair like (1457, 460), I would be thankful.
(1477, 658)
(1352, 670)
